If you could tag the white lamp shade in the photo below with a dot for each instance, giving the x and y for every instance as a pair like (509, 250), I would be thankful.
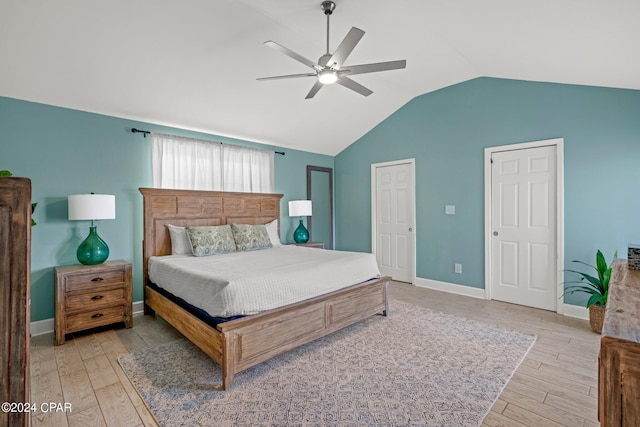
(92, 206)
(300, 208)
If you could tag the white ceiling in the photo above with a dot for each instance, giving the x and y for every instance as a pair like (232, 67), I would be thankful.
(193, 64)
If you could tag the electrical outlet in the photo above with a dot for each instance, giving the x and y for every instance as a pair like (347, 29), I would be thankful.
(457, 268)
(450, 209)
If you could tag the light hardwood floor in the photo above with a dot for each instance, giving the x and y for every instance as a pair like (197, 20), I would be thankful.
(556, 385)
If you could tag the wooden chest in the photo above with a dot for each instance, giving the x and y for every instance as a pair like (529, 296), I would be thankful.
(15, 287)
(619, 373)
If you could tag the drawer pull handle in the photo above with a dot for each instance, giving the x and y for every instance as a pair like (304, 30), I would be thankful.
(97, 297)
(95, 316)
(97, 279)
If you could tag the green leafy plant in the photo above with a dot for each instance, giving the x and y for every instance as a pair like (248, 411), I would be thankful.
(33, 205)
(596, 286)
(33, 209)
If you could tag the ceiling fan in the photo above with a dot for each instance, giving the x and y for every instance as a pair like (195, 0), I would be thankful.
(330, 68)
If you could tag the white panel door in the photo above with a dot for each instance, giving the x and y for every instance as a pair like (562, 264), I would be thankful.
(523, 224)
(394, 221)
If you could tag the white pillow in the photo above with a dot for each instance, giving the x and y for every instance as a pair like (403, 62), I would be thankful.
(272, 230)
(180, 244)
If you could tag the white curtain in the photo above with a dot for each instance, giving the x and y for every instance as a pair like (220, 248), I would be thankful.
(247, 169)
(193, 164)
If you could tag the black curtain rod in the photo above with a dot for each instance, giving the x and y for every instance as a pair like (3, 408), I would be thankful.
(146, 132)
(143, 132)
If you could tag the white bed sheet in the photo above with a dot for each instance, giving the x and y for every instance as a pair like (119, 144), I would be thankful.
(243, 283)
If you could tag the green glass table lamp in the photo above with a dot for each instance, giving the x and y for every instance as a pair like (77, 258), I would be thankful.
(90, 207)
(300, 208)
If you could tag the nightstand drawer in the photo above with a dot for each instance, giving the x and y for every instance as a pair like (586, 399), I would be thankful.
(93, 279)
(91, 319)
(96, 298)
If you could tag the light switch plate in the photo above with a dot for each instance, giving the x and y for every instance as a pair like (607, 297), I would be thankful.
(450, 209)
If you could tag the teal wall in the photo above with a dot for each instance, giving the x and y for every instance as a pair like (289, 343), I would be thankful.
(446, 132)
(66, 152)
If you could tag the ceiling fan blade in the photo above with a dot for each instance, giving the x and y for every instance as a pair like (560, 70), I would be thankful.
(348, 83)
(372, 68)
(289, 76)
(291, 54)
(342, 52)
(316, 87)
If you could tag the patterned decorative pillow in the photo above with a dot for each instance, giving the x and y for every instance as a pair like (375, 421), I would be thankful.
(250, 237)
(211, 240)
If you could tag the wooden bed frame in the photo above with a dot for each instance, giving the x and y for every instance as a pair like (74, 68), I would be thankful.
(239, 344)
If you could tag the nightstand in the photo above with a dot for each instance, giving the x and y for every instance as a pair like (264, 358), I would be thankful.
(311, 244)
(88, 296)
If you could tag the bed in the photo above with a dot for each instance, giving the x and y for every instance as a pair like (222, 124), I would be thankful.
(238, 344)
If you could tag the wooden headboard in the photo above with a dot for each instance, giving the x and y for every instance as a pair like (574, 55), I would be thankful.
(195, 207)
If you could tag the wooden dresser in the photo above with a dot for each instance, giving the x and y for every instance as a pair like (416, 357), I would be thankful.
(88, 296)
(619, 372)
(15, 285)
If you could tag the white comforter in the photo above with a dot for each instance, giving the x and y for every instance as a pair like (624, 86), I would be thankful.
(243, 283)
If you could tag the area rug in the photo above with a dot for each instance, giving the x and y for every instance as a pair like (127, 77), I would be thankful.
(417, 367)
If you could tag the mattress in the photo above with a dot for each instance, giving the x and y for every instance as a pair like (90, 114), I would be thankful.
(244, 283)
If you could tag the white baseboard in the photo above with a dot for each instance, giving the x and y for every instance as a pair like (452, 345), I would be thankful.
(137, 307)
(47, 326)
(41, 327)
(452, 288)
(576, 311)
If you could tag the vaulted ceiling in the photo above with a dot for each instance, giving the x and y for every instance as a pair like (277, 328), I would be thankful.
(193, 64)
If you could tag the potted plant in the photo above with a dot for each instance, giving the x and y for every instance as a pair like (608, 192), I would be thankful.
(596, 286)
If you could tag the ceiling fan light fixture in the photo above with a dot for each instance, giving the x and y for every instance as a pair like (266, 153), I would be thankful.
(328, 69)
(327, 77)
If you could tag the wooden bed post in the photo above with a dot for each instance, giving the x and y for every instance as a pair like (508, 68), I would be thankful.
(228, 359)
(147, 310)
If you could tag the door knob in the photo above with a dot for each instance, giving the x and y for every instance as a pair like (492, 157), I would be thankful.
(410, 228)
(495, 233)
